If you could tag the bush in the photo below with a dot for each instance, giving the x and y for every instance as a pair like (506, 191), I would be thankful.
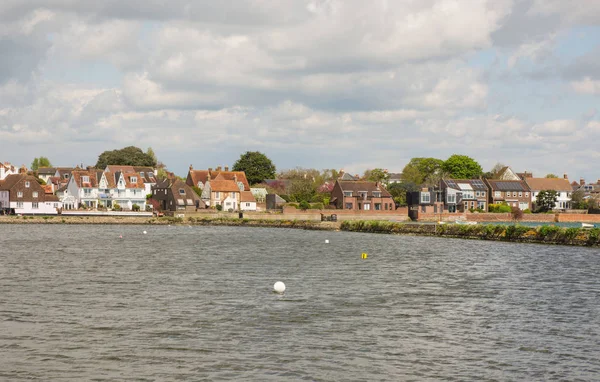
(526, 211)
(219, 207)
(135, 207)
(516, 213)
(116, 207)
(304, 205)
(295, 205)
(316, 206)
(499, 208)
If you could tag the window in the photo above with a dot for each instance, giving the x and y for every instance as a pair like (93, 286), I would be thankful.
(181, 191)
(35, 194)
(217, 195)
(367, 206)
(481, 205)
(527, 194)
(347, 193)
(363, 194)
(451, 198)
(483, 194)
(228, 204)
(377, 194)
(142, 174)
(377, 206)
(497, 194)
(232, 195)
(425, 197)
(520, 194)
(477, 193)
(34, 205)
(19, 204)
(55, 205)
(348, 206)
(247, 204)
(27, 184)
(386, 206)
(19, 194)
(133, 179)
(85, 179)
(423, 209)
(87, 191)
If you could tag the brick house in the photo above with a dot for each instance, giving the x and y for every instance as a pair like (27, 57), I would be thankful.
(173, 194)
(515, 193)
(463, 195)
(27, 196)
(361, 195)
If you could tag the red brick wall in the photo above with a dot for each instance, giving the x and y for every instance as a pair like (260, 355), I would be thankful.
(576, 218)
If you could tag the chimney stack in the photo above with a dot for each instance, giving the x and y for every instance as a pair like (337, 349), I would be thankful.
(226, 168)
(565, 176)
(191, 167)
(581, 181)
(218, 168)
(209, 169)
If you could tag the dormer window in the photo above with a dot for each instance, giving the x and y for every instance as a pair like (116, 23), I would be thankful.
(348, 193)
(142, 174)
(35, 194)
(27, 184)
(377, 194)
(181, 191)
(134, 179)
(19, 194)
(85, 179)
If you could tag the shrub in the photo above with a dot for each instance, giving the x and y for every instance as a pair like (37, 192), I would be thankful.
(135, 207)
(514, 232)
(116, 207)
(316, 206)
(295, 205)
(219, 207)
(526, 211)
(499, 208)
(304, 205)
(516, 213)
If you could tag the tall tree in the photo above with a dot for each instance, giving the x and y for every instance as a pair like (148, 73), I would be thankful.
(462, 167)
(40, 162)
(551, 176)
(128, 156)
(419, 169)
(546, 200)
(151, 154)
(399, 190)
(376, 175)
(256, 165)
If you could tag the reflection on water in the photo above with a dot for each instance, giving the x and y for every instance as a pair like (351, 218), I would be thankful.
(193, 303)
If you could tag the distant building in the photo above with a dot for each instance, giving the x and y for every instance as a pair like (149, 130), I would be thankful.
(361, 195)
(26, 196)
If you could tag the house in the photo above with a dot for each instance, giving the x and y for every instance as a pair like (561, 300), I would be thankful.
(172, 194)
(26, 195)
(148, 175)
(515, 193)
(225, 193)
(561, 185)
(394, 177)
(347, 176)
(7, 169)
(64, 172)
(82, 189)
(198, 178)
(247, 201)
(506, 173)
(361, 195)
(463, 195)
(45, 173)
(425, 201)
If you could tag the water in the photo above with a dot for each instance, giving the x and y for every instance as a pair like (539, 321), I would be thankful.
(195, 303)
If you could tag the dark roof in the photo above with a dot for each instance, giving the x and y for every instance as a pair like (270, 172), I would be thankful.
(360, 185)
(476, 184)
(46, 171)
(10, 181)
(508, 185)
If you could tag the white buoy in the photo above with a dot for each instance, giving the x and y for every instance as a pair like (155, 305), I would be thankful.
(279, 287)
(326, 241)
(145, 232)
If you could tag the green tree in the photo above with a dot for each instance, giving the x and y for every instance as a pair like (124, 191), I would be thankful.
(128, 156)
(376, 175)
(399, 190)
(577, 200)
(256, 165)
(493, 173)
(302, 190)
(419, 169)
(40, 162)
(151, 154)
(546, 200)
(462, 167)
(551, 176)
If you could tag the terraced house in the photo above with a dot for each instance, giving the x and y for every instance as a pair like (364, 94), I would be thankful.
(515, 193)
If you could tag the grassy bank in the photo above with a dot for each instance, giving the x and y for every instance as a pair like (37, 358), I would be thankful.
(512, 233)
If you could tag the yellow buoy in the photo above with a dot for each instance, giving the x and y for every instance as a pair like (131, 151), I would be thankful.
(364, 256)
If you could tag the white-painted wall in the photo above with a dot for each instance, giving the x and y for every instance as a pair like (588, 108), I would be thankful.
(563, 201)
(4, 199)
(45, 208)
(248, 206)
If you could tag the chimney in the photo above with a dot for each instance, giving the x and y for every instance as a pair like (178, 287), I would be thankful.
(581, 181)
(209, 169)
(218, 168)
(208, 177)
(235, 178)
(191, 167)
(565, 176)
(226, 168)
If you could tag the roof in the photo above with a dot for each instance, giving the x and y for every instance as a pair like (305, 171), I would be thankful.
(117, 167)
(394, 176)
(148, 174)
(78, 175)
(48, 189)
(46, 171)
(202, 176)
(506, 173)
(246, 196)
(556, 184)
(51, 198)
(361, 185)
(224, 186)
(10, 181)
(465, 184)
(508, 185)
(346, 176)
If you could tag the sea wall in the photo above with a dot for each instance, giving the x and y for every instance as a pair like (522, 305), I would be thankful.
(513, 233)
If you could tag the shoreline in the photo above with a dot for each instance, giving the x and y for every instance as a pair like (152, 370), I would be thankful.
(504, 233)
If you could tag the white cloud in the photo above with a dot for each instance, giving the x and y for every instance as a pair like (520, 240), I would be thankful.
(586, 86)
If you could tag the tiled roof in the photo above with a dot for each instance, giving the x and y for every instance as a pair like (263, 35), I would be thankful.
(476, 184)
(202, 176)
(247, 197)
(359, 185)
(10, 181)
(78, 178)
(46, 171)
(224, 186)
(122, 168)
(556, 184)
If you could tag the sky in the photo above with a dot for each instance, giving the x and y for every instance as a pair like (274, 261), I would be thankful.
(344, 84)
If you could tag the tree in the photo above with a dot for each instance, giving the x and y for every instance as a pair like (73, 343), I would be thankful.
(546, 200)
(551, 176)
(376, 175)
(577, 200)
(256, 165)
(128, 156)
(399, 190)
(462, 167)
(302, 190)
(493, 173)
(151, 154)
(40, 162)
(418, 169)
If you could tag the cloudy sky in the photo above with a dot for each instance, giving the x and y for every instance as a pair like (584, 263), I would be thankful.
(349, 84)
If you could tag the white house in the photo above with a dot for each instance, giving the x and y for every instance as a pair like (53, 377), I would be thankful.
(560, 185)
(247, 201)
(27, 196)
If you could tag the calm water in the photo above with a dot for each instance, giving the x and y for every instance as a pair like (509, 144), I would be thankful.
(78, 303)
